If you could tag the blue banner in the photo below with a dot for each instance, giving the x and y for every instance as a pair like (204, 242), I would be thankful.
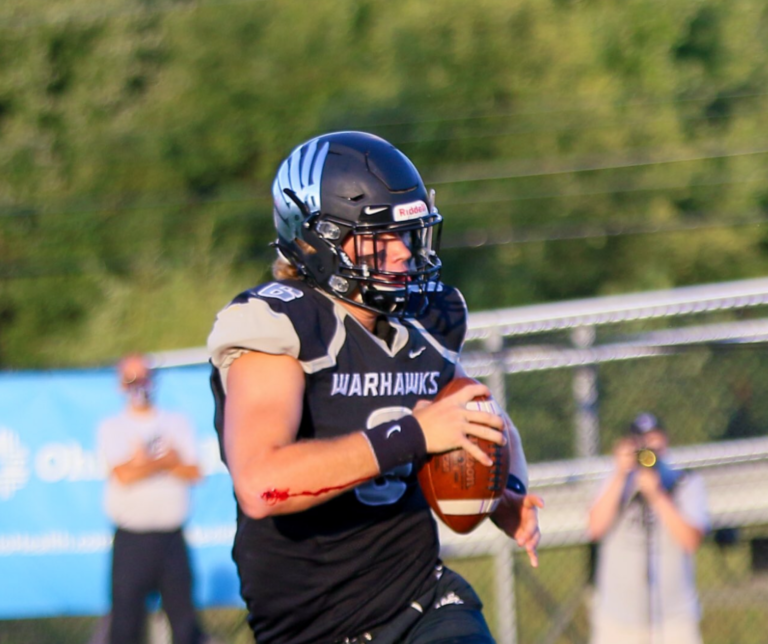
(55, 539)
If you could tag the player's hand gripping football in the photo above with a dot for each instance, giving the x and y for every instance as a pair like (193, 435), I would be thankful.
(447, 423)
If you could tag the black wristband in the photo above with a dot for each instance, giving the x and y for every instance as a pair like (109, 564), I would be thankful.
(397, 442)
(516, 485)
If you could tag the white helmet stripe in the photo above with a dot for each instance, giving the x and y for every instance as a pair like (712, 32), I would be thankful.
(282, 183)
(295, 163)
(317, 172)
(306, 164)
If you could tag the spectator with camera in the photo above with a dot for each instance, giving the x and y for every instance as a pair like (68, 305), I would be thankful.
(649, 519)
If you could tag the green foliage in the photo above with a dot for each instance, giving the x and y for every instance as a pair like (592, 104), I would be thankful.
(138, 139)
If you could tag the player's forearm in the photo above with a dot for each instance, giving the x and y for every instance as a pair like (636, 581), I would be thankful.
(301, 475)
(518, 464)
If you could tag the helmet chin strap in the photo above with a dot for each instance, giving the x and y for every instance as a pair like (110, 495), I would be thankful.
(385, 300)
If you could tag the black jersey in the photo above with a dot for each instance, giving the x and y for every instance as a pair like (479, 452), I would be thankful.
(354, 562)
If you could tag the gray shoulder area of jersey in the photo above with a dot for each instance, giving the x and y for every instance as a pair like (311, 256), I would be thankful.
(253, 325)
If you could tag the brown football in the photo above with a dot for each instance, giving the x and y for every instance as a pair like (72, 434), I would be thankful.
(460, 490)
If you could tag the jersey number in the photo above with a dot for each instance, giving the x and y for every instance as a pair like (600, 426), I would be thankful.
(389, 487)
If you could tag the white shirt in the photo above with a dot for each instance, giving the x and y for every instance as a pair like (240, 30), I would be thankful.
(159, 502)
(643, 572)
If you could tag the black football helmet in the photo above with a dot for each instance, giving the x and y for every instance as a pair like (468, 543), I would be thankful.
(354, 183)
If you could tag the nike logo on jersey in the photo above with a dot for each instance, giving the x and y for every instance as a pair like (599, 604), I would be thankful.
(395, 429)
(415, 353)
(385, 383)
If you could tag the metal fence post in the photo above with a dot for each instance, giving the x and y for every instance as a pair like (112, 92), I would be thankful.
(493, 344)
(506, 609)
(585, 395)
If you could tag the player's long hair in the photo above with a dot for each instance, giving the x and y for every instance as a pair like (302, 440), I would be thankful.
(282, 269)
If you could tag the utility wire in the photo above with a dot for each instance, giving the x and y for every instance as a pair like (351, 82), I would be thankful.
(560, 126)
(261, 204)
(466, 240)
(467, 173)
(551, 125)
(9, 211)
(484, 237)
(563, 106)
(611, 189)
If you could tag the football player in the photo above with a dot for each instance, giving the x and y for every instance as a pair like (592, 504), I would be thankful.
(323, 380)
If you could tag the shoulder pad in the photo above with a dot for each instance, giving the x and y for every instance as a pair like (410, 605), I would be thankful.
(446, 317)
(273, 292)
(280, 318)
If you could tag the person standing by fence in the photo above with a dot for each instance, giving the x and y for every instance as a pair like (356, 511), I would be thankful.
(650, 519)
(151, 456)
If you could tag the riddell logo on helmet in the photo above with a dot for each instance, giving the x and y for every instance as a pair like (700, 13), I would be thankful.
(412, 210)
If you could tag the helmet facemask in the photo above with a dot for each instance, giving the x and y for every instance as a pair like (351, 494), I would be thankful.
(394, 290)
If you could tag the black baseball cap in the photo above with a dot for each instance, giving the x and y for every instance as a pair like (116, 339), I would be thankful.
(644, 423)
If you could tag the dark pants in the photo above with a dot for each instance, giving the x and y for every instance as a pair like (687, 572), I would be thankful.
(452, 614)
(147, 562)
(454, 617)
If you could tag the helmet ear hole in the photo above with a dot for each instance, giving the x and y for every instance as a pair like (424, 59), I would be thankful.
(328, 230)
(340, 285)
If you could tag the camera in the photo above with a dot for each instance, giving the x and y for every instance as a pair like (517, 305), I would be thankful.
(646, 457)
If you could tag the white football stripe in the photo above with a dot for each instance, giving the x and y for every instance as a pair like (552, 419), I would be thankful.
(484, 405)
(462, 507)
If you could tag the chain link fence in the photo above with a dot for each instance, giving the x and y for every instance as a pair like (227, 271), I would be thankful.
(572, 388)
(573, 377)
